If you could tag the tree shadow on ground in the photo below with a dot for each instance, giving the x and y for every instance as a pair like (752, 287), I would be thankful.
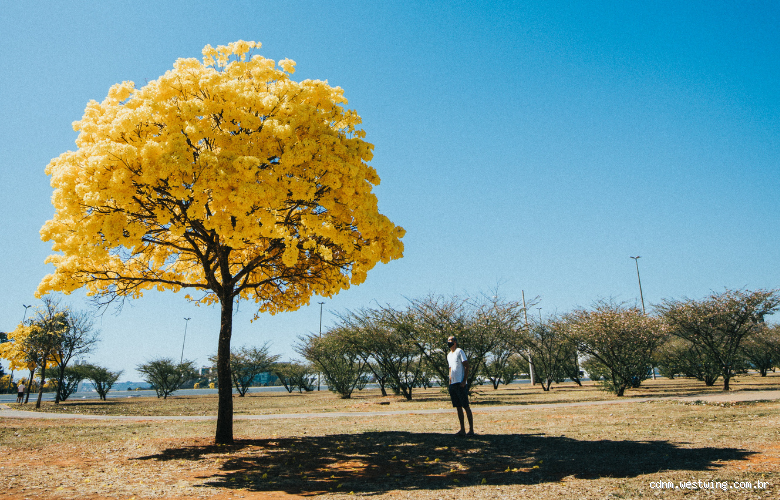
(688, 387)
(377, 462)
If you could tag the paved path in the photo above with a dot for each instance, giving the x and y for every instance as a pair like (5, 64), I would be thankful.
(6, 412)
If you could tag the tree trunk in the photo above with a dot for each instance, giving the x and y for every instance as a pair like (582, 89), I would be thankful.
(43, 379)
(726, 379)
(225, 406)
(60, 380)
(29, 385)
(620, 384)
(407, 391)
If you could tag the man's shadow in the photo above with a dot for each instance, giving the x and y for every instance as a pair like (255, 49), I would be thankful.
(376, 462)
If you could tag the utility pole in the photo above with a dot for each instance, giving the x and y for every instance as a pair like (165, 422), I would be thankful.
(318, 373)
(186, 322)
(527, 352)
(641, 297)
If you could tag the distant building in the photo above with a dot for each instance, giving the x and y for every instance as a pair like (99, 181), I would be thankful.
(265, 378)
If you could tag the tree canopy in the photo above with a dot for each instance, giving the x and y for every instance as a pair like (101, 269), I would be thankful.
(248, 362)
(621, 339)
(295, 375)
(389, 354)
(341, 364)
(719, 323)
(552, 349)
(223, 177)
(103, 379)
(163, 374)
(38, 344)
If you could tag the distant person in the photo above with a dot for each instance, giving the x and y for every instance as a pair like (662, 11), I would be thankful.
(20, 392)
(459, 394)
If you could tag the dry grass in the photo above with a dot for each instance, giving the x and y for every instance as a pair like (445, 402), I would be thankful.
(612, 451)
(264, 403)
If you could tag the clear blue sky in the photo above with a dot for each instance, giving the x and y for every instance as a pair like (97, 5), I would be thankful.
(533, 144)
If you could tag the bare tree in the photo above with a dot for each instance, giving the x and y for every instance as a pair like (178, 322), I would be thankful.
(341, 364)
(294, 375)
(165, 376)
(621, 339)
(102, 379)
(246, 363)
(504, 369)
(551, 348)
(73, 377)
(76, 339)
(480, 325)
(762, 349)
(384, 348)
(680, 357)
(719, 323)
(47, 329)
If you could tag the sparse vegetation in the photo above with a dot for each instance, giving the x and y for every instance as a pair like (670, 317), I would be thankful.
(165, 376)
(547, 453)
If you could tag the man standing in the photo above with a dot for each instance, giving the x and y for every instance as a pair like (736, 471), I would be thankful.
(459, 372)
(20, 392)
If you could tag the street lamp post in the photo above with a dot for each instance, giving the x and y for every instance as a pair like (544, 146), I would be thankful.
(25, 312)
(318, 373)
(24, 316)
(186, 322)
(528, 352)
(641, 297)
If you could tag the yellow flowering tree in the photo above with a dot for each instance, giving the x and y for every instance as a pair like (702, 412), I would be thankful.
(6, 384)
(223, 177)
(19, 353)
(36, 345)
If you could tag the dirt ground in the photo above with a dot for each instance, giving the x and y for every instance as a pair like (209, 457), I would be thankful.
(600, 451)
(275, 403)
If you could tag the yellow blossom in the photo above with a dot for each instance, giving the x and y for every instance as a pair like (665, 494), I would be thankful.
(223, 176)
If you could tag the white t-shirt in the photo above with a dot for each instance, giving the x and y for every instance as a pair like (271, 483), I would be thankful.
(455, 359)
